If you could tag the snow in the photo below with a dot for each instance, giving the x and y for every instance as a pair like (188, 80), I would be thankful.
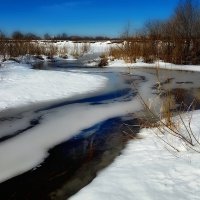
(164, 65)
(20, 85)
(119, 63)
(149, 169)
(157, 64)
(96, 47)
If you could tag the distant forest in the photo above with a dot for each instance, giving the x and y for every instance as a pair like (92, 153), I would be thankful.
(18, 35)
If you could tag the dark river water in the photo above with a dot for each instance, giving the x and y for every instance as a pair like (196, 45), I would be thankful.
(75, 162)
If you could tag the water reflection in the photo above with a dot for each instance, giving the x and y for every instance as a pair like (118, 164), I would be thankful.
(72, 164)
(177, 90)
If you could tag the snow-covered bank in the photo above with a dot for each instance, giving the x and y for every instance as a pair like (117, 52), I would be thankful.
(147, 170)
(20, 85)
(157, 64)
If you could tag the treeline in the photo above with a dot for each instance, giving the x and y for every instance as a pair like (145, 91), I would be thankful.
(176, 40)
(17, 35)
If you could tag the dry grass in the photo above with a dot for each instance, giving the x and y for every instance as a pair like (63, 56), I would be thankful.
(15, 48)
(169, 119)
(133, 49)
(164, 114)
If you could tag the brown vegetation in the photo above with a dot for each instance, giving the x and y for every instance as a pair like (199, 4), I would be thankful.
(15, 48)
(176, 40)
(103, 61)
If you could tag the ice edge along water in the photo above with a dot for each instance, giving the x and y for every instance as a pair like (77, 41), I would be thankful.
(26, 151)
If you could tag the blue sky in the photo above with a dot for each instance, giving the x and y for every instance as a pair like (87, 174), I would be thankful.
(81, 17)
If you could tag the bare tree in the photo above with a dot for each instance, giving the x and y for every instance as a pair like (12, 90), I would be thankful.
(185, 19)
(17, 35)
(3, 44)
(154, 29)
(185, 27)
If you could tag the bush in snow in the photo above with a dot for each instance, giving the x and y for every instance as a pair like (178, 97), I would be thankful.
(103, 61)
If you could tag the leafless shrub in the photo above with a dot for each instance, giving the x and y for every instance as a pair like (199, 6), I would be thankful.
(175, 40)
(51, 51)
(3, 45)
(103, 61)
(133, 49)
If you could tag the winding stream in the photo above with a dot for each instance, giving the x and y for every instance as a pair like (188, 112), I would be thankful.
(66, 143)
